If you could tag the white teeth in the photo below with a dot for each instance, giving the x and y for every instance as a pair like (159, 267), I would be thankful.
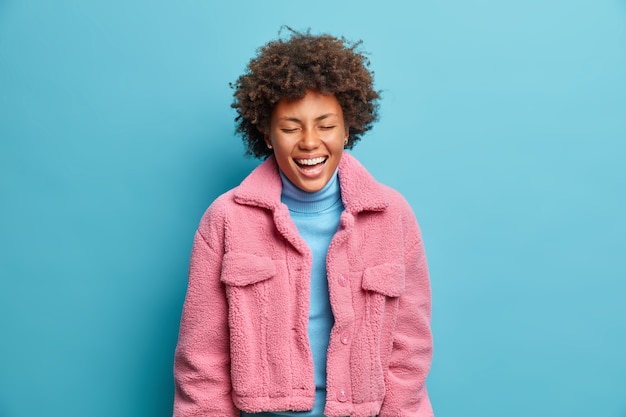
(313, 161)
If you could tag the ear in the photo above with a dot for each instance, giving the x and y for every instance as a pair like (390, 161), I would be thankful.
(268, 142)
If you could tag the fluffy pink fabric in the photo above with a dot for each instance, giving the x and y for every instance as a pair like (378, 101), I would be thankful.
(243, 340)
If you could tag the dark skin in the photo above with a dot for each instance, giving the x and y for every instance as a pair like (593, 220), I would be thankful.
(287, 68)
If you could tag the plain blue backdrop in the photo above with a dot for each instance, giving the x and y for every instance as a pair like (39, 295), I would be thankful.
(502, 122)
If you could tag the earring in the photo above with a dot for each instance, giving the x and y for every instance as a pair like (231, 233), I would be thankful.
(345, 142)
(269, 146)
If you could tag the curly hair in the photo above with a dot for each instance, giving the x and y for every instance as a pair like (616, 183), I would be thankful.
(287, 67)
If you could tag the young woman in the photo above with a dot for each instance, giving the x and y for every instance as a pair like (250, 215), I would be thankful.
(308, 287)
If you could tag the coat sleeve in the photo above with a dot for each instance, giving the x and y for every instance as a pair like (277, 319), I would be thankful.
(411, 355)
(202, 358)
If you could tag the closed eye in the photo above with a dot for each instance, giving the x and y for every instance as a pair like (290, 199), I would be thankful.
(327, 127)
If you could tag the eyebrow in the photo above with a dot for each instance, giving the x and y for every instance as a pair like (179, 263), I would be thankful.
(317, 119)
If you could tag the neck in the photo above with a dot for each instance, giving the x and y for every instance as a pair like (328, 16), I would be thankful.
(310, 202)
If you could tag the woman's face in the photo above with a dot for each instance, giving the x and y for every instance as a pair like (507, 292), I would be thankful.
(308, 136)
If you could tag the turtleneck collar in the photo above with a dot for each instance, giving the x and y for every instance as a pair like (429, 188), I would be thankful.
(300, 201)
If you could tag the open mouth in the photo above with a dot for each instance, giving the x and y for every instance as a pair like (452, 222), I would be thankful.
(311, 166)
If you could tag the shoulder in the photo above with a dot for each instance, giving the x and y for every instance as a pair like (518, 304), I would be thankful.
(260, 189)
(220, 206)
(399, 208)
(359, 185)
(214, 219)
(396, 200)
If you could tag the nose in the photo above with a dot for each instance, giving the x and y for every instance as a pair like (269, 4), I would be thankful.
(310, 139)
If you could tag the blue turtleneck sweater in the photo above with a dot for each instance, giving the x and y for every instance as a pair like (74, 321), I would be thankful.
(316, 215)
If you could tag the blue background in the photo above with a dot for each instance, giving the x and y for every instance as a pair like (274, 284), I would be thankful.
(502, 122)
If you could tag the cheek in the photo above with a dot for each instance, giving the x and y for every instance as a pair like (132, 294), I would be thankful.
(281, 149)
(340, 142)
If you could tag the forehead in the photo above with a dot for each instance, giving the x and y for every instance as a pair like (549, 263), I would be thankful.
(313, 104)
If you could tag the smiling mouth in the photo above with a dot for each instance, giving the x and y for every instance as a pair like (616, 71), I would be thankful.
(310, 162)
(311, 166)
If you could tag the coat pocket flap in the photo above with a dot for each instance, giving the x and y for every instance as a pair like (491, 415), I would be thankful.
(241, 269)
(387, 279)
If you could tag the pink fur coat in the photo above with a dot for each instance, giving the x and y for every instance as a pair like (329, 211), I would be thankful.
(243, 342)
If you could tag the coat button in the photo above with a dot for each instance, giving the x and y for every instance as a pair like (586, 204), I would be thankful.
(343, 281)
(345, 338)
(341, 396)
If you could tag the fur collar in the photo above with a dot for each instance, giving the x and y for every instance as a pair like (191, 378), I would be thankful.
(359, 190)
